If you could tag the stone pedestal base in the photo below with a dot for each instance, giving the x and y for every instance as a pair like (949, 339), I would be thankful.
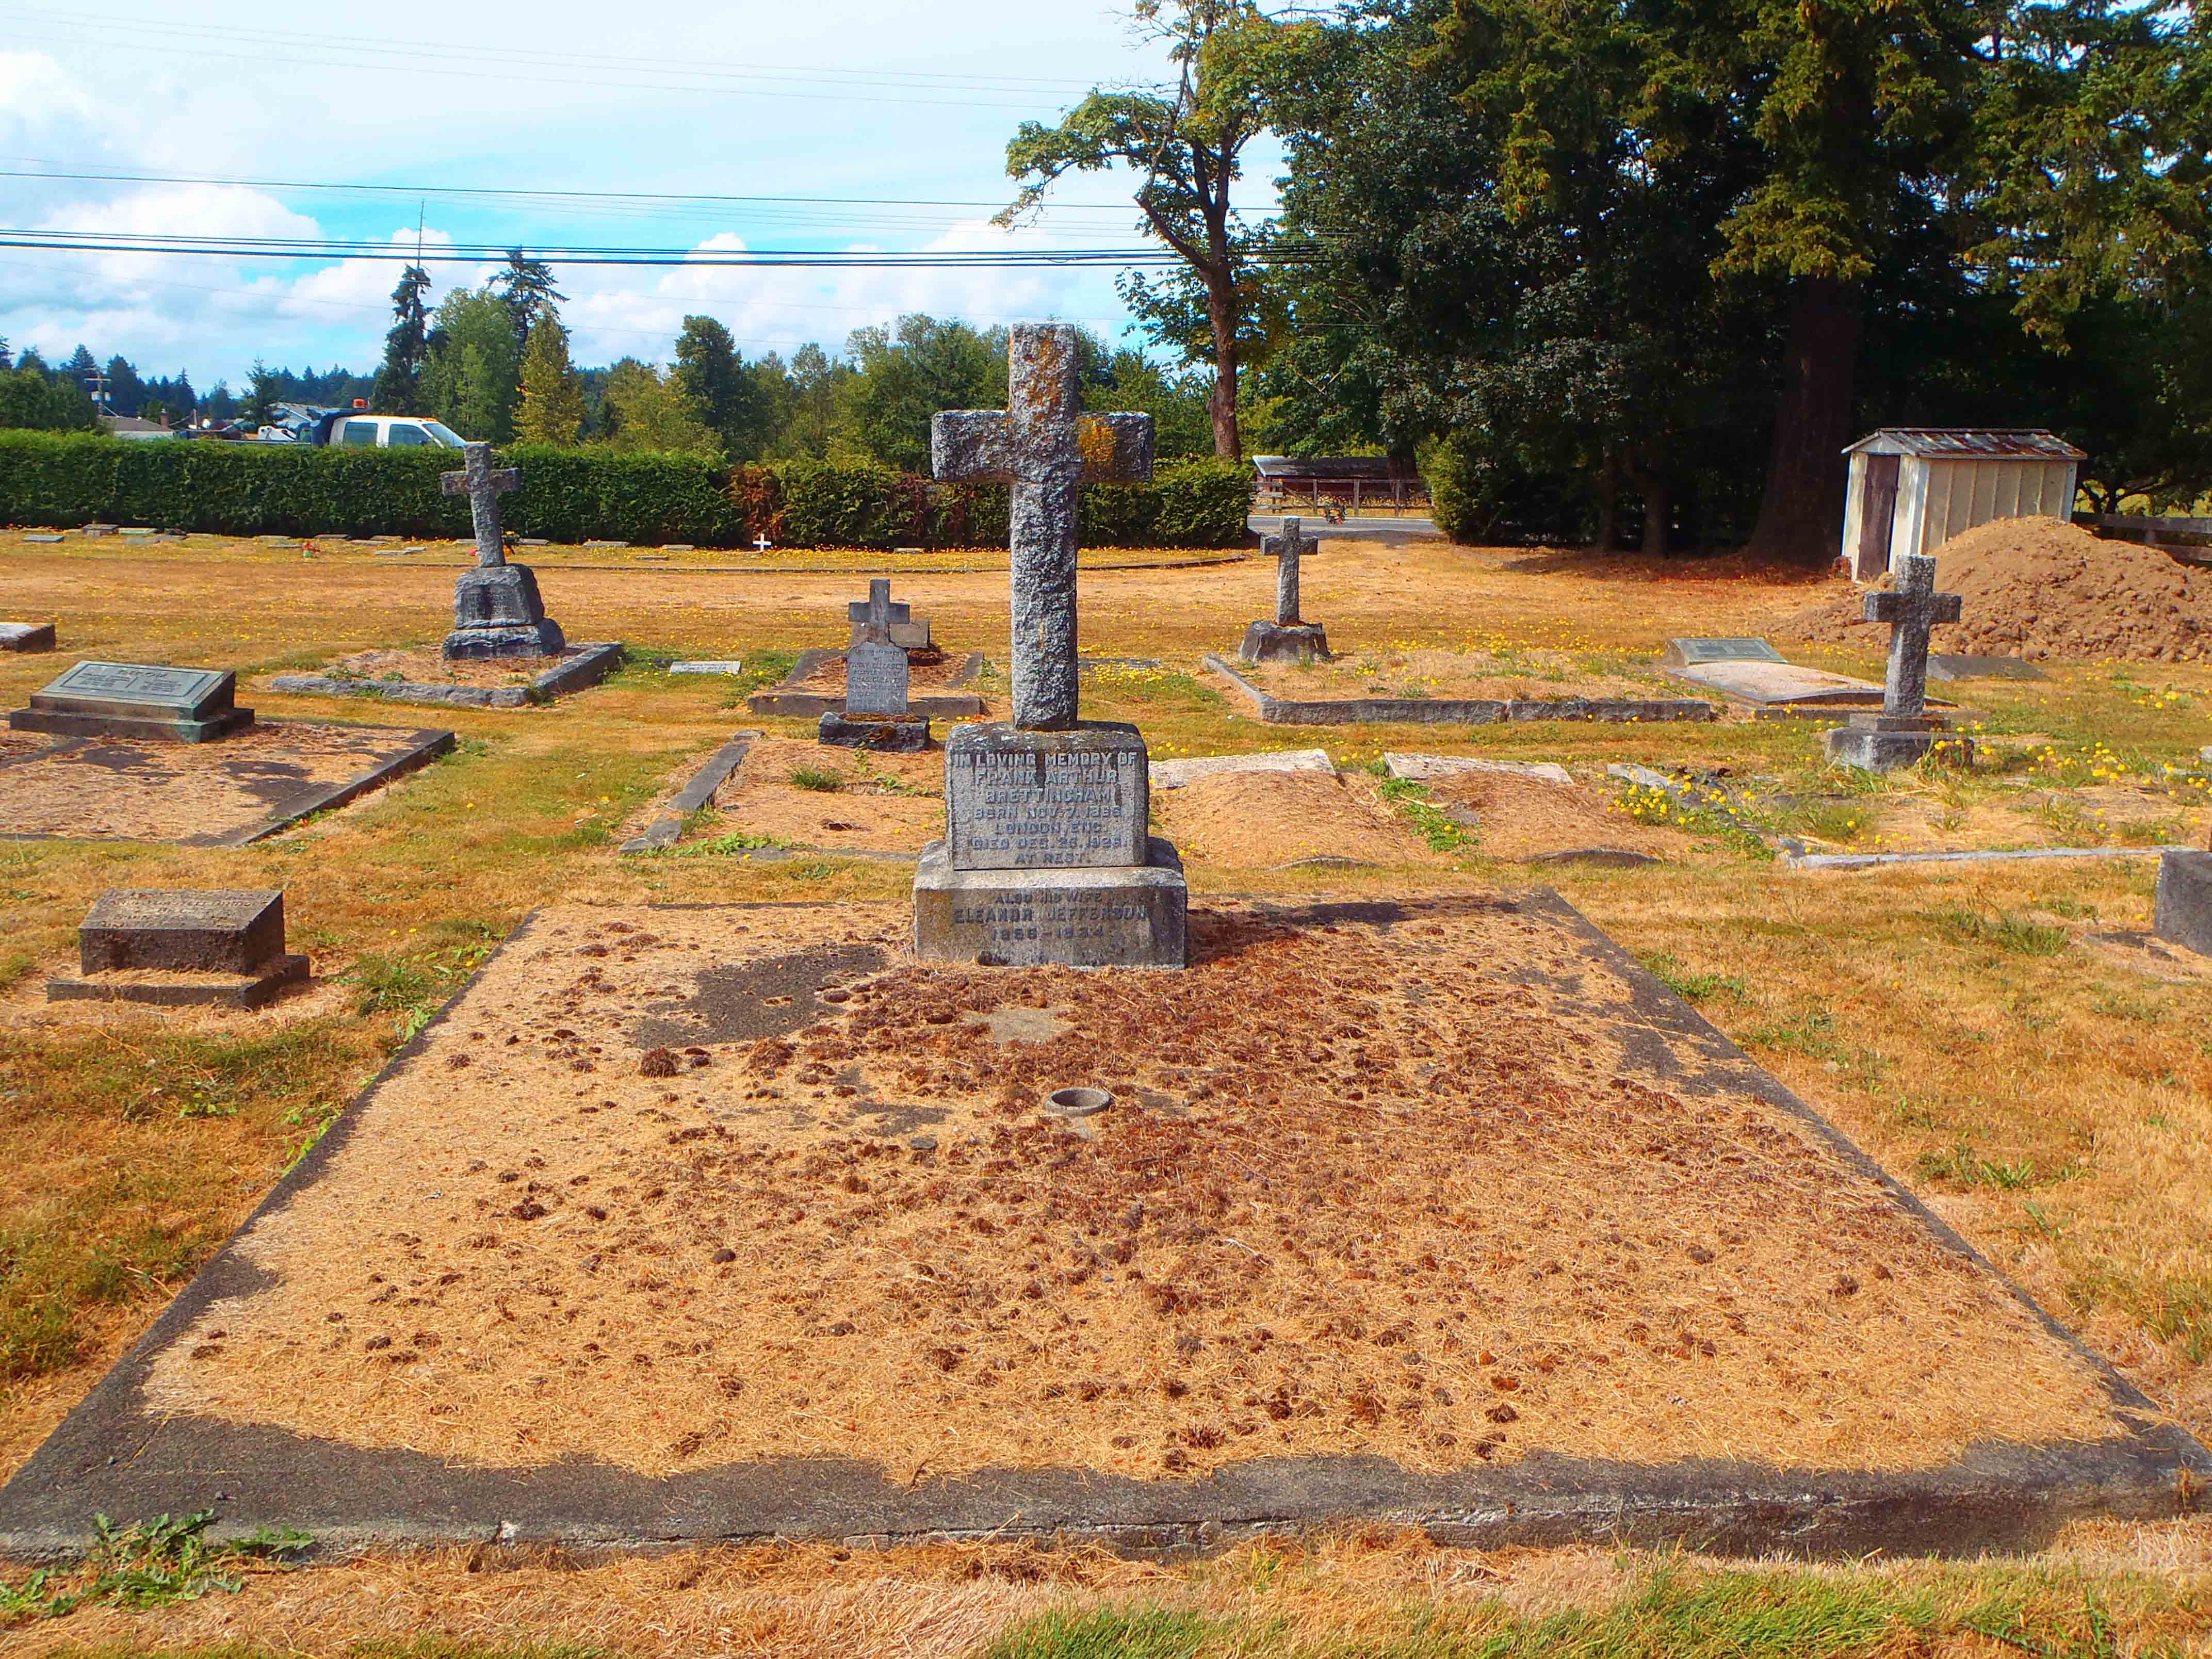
(209, 990)
(1266, 641)
(1105, 917)
(62, 723)
(1888, 743)
(497, 613)
(895, 734)
(2183, 915)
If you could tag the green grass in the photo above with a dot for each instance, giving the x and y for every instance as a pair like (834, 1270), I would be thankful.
(147, 1564)
(814, 778)
(1428, 822)
(1690, 987)
(2007, 931)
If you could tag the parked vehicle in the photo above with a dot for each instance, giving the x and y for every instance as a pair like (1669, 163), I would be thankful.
(347, 428)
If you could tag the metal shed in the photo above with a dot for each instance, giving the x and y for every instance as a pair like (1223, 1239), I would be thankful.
(1913, 488)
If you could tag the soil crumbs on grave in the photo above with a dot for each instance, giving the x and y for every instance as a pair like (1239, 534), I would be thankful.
(813, 794)
(1534, 674)
(1265, 820)
(427, 665)
(142, 790)
(672, 1188)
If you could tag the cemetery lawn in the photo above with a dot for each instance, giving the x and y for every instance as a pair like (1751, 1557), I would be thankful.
(1966, 1025)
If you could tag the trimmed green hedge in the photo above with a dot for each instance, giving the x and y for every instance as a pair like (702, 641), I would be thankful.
(574, 495)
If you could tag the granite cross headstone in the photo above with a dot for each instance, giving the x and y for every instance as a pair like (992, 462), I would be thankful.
(1287, 549)
(1047, 855)
(1044, 447)
(877, 677)
(483, 484)
(1289, 637)
(1902, 734)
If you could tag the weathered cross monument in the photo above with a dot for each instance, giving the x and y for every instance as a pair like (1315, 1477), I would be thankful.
(1902, 734)
(496, 609)
(1047, 855)
(1289, 637)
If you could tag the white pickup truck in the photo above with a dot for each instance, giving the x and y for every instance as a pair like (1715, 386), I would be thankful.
(346, 429)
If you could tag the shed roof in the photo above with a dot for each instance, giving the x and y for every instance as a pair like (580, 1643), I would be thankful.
(1333, 469)
(1968, 443)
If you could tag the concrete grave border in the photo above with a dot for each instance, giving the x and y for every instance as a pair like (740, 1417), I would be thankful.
(785, 698)
(425, 745)
(592, 664)
(1993, 1497)
(713, 773)
(1459, 711)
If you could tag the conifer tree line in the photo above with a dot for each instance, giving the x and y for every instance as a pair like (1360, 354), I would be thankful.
(1638, 271)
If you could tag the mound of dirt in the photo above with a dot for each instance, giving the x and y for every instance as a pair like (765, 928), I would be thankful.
(2038, 588)
(1527, 817)
(1263, 820)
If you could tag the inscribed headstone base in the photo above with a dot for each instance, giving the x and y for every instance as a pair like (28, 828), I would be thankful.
(178, 948)
(896, 734)
(1017, 800)
(2183, 915)
(1302, 642)
(1127, 916)
(497, 612)
(1891, 742)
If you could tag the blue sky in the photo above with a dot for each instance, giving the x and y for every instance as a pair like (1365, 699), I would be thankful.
(876, 98)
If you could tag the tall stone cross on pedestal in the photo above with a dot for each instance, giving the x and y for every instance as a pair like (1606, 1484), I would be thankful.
(483, 484)
(1289, 637)
(1045, 447)
(1914, 609)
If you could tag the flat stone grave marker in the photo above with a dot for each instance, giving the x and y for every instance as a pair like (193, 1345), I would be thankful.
(97, 530)
(1693, 652)
(42, 538)
(1948, 666)
(26, 637)
(182, 948)
(1752, 671)
(137, 700)
(731, 665)
(1175, 774)
(1421, 769)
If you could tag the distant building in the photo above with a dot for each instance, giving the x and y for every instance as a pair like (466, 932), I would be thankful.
(1913, 488)
(1355, 483)
(129, 426)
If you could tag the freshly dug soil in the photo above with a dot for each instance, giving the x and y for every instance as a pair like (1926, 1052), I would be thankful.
(671, 1189)
(2039, 589)
(1518, 817)
(869, 810)
(1263, 820)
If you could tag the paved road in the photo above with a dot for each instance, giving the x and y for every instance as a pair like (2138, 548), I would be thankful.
(1362, 529)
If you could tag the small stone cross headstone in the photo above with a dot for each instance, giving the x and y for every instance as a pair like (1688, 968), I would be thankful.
(877, 677)
(1289, 637)
(1287, 549)
(1913, 610)
(1902, 734)
(1046, 449)
(483, 484)
(875, 615)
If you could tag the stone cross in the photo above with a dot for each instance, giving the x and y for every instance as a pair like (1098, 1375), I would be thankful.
(877, 615)
(1045, 448)
(1287, 548)
(764, 544)
(1913, 610)
(484, 485)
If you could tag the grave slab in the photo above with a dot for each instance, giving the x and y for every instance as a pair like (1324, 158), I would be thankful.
(698, 793)
(580, 668)
(137, 700)
(1457, 711)
(729, 665)
(242, 790)
(178, 948)
(1175, 774)
(1735, 1331)
(1948, 666)
(1768, 684)
(1423, 768)
(815, 687)
(26, 637)
(1695, 652)
(890, 734)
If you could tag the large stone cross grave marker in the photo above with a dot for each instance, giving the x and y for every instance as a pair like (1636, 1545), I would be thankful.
(497, 611)
(1902, 734)
(483, 484)
(1289, 637)
(1047, 855)
(1045, 448)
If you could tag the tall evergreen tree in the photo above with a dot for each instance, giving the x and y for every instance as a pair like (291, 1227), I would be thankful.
(525, 289)
(727, 396)
(552, 396)
(400, 382)
(126, 391)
